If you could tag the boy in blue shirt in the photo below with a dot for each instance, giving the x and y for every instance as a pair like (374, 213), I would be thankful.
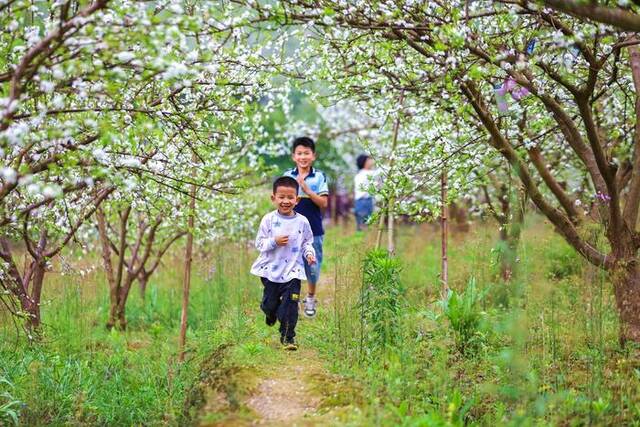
(314, 197)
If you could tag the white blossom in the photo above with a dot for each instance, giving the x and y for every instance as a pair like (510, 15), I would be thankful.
(8, 175)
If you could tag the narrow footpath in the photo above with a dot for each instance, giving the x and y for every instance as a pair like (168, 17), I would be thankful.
(267, 386)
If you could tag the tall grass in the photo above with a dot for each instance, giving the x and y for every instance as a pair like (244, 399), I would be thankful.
(83, 374)
(540, 350)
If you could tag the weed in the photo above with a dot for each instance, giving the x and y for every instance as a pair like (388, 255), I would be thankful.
(9, 406)
(465, 315)
(381, 300)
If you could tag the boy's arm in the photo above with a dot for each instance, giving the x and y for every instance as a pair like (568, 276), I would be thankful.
(307, 241)
(321, 198)
(264, 242)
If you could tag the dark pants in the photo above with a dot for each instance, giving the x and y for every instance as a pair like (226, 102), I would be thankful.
(280, 300)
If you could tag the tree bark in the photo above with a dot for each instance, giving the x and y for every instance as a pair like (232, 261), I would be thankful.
(626, 282)
(143, 279)
(37, 279)
(623, 19)
(122, 302)
(108, 268)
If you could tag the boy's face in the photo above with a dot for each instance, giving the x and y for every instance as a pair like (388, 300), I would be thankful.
(369, 163)
(285, 199)
(303, 157)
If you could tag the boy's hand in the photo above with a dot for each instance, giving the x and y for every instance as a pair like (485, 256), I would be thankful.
(311, 259)
(282, 240)
(303, 183)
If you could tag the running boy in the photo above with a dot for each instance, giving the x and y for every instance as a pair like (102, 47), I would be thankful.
(283, 238)
(314, 196)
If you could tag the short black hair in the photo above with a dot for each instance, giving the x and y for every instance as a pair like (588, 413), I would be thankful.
(361, 160)
(305, 141)
(285, 181)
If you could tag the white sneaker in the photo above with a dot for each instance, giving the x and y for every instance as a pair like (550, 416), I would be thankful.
(309, 306)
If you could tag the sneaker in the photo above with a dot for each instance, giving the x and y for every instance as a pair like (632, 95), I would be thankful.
(309, 306)
(289, 344)
(270, 321)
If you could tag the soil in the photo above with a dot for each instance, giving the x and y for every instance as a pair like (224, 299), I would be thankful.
(288, 396)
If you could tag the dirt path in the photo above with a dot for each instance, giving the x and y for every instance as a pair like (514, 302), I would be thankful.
(289, 389)
(288, 395)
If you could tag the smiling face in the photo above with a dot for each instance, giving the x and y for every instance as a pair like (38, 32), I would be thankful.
(303, 157)
(285, 199)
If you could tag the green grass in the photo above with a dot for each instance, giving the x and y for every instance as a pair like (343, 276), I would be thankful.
(82, 373)
(548, 353)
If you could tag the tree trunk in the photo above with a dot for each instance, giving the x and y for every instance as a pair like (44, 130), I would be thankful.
(508, 257)
(33, 308)
(122, 318)
(143, 279)
(459, 213)
(122, 302)
(108, 268)
(510, 238)
(626, 282)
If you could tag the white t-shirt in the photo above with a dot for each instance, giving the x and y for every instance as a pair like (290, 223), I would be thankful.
(363, 180)
(283, 263)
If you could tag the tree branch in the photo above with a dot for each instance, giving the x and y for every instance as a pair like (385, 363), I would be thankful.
(619, 18)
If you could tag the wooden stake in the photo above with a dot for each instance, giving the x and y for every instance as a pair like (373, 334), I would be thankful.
(391, 244)
(445, 232)
(380, 230)
(186, 283)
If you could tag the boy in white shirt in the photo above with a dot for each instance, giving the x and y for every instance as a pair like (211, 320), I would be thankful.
(283, 239)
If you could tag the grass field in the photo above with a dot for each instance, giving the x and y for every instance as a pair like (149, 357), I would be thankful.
(541, 350)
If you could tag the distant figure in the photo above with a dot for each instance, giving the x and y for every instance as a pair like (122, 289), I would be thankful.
(341, 201)
(284, 240)
(314, 198)
(363, 200)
